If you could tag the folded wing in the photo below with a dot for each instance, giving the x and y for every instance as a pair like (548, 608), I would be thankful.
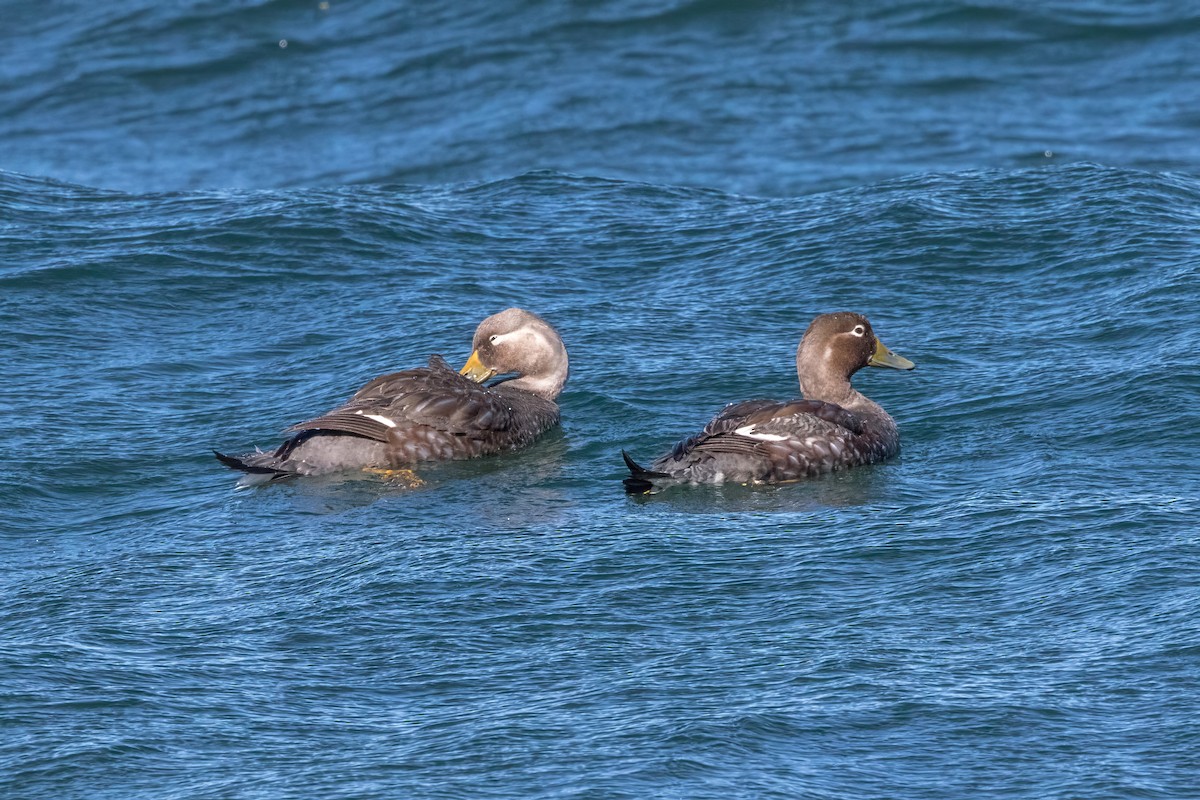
(434, 397)
(760, 440)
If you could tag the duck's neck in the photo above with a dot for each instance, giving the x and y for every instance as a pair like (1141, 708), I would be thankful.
(831, 388)
(544, 386)
(826, 385)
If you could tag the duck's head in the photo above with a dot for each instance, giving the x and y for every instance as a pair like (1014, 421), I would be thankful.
(836, 346)
(516, 342)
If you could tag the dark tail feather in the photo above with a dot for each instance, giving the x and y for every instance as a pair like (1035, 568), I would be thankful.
(639, 480)
(238, 464)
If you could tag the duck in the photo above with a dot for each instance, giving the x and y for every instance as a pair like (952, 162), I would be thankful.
(832, 425)
(432, 413)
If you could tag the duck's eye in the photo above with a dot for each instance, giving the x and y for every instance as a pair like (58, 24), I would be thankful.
(493, 338)
(859, 330)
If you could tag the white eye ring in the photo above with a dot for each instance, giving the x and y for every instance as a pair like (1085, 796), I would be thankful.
(493, 338)
(859, 330)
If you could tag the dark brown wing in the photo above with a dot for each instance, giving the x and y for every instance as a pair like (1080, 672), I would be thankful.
(796, 419)
(435, 396)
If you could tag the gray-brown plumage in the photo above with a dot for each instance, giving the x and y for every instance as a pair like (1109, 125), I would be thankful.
(767, 441)
(434, 413)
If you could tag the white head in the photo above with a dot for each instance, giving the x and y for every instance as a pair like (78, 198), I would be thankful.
(518, 342)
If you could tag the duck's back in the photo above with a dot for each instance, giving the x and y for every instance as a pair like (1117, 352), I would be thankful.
(767, 441)
(431, 414)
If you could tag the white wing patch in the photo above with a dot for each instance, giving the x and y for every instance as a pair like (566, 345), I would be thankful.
(750, 432)
(380, 419)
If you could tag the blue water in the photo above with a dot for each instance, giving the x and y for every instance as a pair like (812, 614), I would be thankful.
(206, 236)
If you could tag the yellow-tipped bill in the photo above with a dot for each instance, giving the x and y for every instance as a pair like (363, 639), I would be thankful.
(883, 357)
(475, 370)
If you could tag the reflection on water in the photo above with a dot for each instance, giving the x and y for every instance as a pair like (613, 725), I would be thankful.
(494, 488)
(851, 488)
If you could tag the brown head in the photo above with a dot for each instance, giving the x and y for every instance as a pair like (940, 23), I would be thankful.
(516, 342)
(836, 346)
